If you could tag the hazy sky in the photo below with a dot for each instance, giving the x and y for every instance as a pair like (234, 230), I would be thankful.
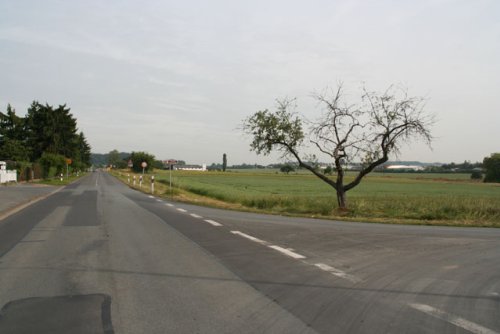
(176, 78)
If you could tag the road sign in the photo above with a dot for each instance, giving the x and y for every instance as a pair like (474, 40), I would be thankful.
(68, 161)
(172, 162)
(130, 164)
(144, 164)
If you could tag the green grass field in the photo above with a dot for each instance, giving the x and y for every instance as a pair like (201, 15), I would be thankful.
(441, 199)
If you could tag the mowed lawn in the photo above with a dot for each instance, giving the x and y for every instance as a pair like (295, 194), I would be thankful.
(415, 198)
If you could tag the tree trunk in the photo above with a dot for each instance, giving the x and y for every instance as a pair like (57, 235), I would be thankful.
(342, 199)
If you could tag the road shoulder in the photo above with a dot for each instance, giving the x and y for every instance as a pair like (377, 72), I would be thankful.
(16, 198)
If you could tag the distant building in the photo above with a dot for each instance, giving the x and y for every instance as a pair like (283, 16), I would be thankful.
(202, 168)
(404, 168)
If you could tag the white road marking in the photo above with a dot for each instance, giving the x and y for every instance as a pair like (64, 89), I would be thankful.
(287, 252)
(151, 196)
(159, 200)
(265, 243)
(214, 223)
(194, 215)
(181, 210)
(453, 319)
(249, 237)
(337, 272)
(168, 204)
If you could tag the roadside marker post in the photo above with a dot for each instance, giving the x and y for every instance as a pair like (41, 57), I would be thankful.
(134, 180)
(171, 163)
(61, 177)
(128, 178)
(152, 184)
(140, 181)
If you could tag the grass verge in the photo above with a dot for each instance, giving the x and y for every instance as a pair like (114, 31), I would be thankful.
(381, 199)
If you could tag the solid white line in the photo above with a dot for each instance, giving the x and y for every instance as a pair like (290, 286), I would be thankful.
(337, 272)
(168, 204)
(453, 319)
(214, 223)
(287, 252)
(181, 210)
(194, 215)
(249, 237)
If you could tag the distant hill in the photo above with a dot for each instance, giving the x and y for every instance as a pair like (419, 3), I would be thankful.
(101, 159)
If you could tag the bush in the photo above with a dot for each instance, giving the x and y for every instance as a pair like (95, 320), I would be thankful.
(52, 164)
(287, 169)
(476, 175)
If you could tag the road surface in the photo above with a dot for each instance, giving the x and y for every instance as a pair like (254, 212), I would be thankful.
(98, 257)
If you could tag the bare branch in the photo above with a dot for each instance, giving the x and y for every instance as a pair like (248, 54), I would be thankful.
(368, 132)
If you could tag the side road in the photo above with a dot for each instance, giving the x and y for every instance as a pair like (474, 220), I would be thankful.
(14, 198)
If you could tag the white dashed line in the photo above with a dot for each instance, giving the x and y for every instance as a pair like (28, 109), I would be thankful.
(337, 272)
(214, 223)
(249, 237)
(287, 252)
(159, 200)
(452, 319)
(282, 250)
(194, 215)
(181, 210)
(168, 204)
(151, 196)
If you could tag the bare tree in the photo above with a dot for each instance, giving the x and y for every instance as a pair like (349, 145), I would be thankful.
(367, 132)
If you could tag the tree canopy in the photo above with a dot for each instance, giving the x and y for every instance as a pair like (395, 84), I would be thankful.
(138, 158)
(44, 129)
(491, 165)
(366, 132)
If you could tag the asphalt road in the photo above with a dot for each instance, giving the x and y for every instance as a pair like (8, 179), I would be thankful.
(98, 257)
(14, 195)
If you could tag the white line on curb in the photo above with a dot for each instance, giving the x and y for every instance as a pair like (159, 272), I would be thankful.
(337, 272)
(249, 237)
(194, 215)
(287, 252)
(214, 223)
(181, 210)
(452, 319)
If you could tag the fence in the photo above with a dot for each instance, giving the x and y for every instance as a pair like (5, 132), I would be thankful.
(8, 176)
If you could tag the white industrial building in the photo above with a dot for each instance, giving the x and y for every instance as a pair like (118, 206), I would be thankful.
(202, 168)
(405, 167)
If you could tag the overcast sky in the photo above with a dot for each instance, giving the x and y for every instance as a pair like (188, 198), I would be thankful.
(176, 78)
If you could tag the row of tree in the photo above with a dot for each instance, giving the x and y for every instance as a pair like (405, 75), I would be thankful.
(121, 160)
(46, 135)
